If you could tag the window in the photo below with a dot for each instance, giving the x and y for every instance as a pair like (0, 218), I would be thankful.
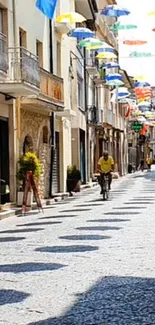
(58, 59)
(39, 52)
(45, 134)
(22, 38)
(1, 20)
(80, 92)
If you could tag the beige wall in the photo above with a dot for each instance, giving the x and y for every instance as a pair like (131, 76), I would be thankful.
(32, 124)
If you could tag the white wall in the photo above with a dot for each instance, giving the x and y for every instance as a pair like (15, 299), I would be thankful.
(31, 20)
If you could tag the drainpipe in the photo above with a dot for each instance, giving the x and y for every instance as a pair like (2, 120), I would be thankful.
(52, 117)
(86, 116)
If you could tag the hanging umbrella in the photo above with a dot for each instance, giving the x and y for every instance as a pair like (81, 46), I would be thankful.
(118, 27)
(115, 83)
(139, 78)
(124, 101)
(114, 11)
(81, 32)
(141, 84)
(134, 42)
(104, 49)
(145, 103)
(113, 76)
(91, 42)
(70, 17)
(105, 55)
(140, 55)
(110, 65)
(151, 13)
(99, 46)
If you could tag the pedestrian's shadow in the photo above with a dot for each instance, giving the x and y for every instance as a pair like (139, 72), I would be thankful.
(113, 301)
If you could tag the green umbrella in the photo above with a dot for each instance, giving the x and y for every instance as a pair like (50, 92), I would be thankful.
(117, 26)
(115, 83)
(140, 55)
(88, 42)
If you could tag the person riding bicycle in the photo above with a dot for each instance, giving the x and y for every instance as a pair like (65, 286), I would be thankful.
(106, 166)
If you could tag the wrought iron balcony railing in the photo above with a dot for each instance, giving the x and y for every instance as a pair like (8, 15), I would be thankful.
(93, 116)
(23, 66)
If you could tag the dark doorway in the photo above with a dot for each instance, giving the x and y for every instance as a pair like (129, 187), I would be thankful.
(82, 156)
(4, 155)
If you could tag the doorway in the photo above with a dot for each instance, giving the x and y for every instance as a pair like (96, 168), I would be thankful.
(4, 155)
(82, 156)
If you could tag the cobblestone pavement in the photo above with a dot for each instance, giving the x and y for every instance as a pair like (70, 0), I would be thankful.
(82, 262)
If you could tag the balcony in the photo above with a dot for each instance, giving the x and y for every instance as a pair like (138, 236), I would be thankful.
(108, 118)
(51, 94)
(92, 65)
(23, 73)
(104, 31)
(93, 116)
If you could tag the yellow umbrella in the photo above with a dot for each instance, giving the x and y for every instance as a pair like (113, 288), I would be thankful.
(97, 47)
(106, 55)
(151, 13)
(139, 78)
(70, 17)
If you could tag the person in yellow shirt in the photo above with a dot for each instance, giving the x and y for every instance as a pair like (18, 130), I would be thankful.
(149, 162)
(106, 166)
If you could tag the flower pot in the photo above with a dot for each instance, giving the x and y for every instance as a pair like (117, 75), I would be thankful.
(73, 185)
(20, 199)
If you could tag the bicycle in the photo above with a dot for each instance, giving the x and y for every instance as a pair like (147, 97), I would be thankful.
(105, 185)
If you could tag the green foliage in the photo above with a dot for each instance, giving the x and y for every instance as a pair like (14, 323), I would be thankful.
(73, 173)
(29, 162)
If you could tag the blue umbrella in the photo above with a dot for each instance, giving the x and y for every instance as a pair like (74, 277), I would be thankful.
(113, 76)
(114, 11)
(81, 32)
(110, 65)
(139, 84)
(143, 108)
(105, 49)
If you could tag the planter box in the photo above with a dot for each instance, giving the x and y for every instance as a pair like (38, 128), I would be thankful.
(73, 185)
(20, 199)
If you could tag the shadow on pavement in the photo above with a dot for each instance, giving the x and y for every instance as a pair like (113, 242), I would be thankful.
(98, 228)
(29, 267)
(111, 301)
(137, 202)
(17, 231)
(58, 217)
(128, 208)
(12, 296)
(75, 210)
(120, 213)
(11, 239)
(109, 220)
(67, 249)
(40, 223)
(85, 237)
(88, 205)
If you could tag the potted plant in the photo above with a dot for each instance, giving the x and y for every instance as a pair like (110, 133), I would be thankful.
(26, 163)
(73, 179)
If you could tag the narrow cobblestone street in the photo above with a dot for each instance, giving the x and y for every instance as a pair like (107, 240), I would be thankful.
(84, 261)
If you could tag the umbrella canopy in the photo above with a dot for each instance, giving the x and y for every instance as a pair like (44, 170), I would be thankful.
(115, 83)
(139, 78)
(141, 84)
(134, 42)
(105, 55)
(118, 27)
(70, 17)
(151, 13)
(81, 32)
(99, 46)
(145, 103)
(113, 76)
(143, 108)
(140, 54)
(114, 11)
(91, 42)
(110, 65)
(104, 49)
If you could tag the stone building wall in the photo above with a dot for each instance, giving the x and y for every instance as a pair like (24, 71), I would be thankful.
(36, 126)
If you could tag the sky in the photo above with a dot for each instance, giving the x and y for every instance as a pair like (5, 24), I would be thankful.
(139, 16)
